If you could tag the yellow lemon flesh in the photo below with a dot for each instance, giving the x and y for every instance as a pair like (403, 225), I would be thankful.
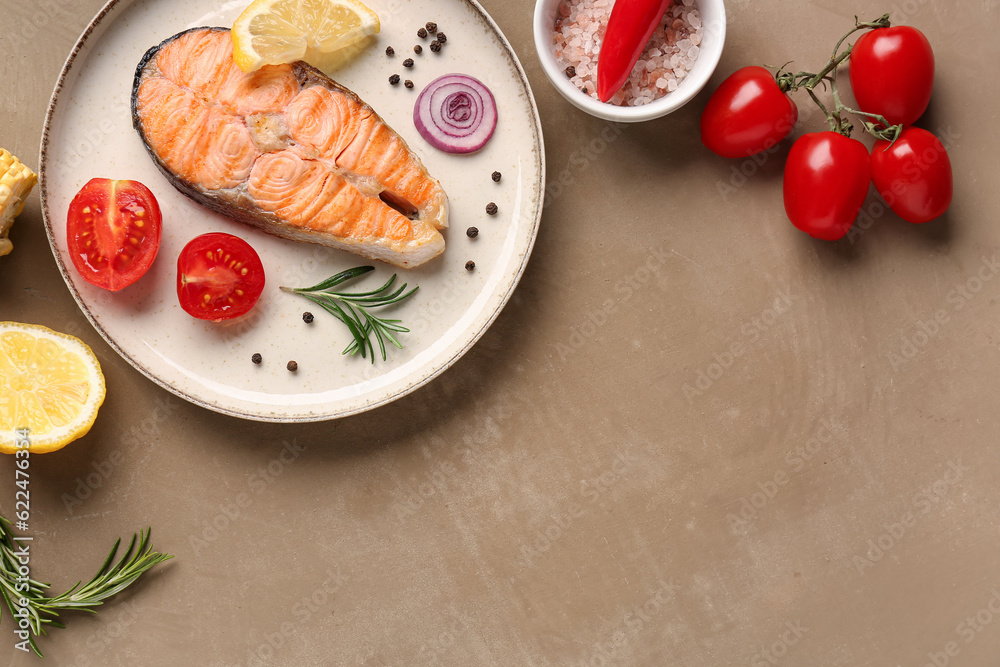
(274, 32)
(50, 384)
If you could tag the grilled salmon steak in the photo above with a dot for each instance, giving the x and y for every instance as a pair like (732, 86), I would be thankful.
(285, 149)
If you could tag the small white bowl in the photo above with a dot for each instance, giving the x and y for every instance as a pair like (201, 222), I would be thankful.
(713, 18)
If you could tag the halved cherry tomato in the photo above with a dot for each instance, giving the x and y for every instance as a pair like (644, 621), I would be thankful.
(747, 114)
(913, 175)
(892, 73)
(113, 232)
(219, 277)
(827, 176)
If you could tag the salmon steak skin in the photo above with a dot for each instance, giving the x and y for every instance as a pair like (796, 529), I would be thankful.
(285, 149)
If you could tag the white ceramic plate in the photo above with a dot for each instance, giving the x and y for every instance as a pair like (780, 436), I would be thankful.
(88, 133)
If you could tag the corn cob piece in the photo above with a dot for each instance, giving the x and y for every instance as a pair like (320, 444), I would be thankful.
(16, 181)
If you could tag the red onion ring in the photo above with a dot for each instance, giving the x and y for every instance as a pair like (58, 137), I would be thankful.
(456, 113)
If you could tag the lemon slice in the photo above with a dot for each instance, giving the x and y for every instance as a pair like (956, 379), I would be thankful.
(273, 32)
(50, 384)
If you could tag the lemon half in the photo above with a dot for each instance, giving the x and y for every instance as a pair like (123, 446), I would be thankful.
(273, 32)
(50, 384)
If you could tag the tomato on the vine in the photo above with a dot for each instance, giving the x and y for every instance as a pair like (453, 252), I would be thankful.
(748, 113)
(913, 175)
(892, 73)
(113, 232)
(219, 277)
(826, 180)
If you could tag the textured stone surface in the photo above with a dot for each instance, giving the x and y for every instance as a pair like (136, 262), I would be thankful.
(554, 498)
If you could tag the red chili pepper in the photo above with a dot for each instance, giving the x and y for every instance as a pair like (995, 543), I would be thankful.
(631, 25)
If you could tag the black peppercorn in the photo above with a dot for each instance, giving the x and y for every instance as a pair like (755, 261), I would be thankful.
(570, 71)
(394, 79)
(472, 232)
(436, 46)
(470, 265)
(256, 358)
(307, 317)
(418, 49)
(432, 27)
(389, 51)
(408, 83)
(491, 208)
(292, 366)
(496, 176)
(421, 33)
(441, 37)
(408, 62)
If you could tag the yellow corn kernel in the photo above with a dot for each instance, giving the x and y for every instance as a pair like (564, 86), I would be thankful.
(16, 182)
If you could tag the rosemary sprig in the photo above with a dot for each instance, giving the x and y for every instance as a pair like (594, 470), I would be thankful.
(111, 579)
(352, 308)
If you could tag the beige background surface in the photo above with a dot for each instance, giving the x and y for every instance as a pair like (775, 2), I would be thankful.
(554, 498)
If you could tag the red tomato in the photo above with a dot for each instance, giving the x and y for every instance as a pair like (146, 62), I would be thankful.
(826, 180)
(913, 175)
(113, 232)
(219, 277)
(747, 114)
(892, 73)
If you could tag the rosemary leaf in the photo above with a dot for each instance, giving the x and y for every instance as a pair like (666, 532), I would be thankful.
(352, 308)
(111, 579)
(334, 308)
(383, 300)
(333, 281)
(348, 295)
(381, 340)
